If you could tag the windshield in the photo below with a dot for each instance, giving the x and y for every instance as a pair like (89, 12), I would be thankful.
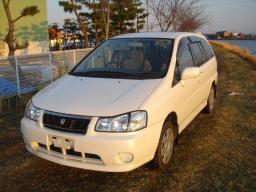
(127, 58)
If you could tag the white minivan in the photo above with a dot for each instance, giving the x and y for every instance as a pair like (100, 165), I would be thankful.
(124, 104)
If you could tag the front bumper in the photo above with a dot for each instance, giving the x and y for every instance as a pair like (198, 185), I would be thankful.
(102, 147)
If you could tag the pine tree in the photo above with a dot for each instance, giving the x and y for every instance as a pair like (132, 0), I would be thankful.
(93, 20)
(140, 15)
(105, 18)
(105, 6)
(70, 29)
(75, 6)
(96, 25)
(123, 16)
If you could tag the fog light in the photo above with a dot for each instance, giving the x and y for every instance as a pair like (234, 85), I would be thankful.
(34, 145)
(125, 157)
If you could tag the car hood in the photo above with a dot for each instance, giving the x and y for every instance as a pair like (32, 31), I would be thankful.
(94, 96)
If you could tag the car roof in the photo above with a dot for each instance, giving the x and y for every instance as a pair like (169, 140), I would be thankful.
(167, 35)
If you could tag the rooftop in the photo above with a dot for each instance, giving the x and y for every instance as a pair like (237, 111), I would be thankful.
(169, 35)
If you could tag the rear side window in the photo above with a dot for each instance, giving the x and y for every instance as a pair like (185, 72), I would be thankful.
(205, 45)
(207, 49)
(197, 53)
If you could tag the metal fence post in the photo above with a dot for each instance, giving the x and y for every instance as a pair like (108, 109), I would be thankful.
(50, 65)
(74, 57)
(17, 75)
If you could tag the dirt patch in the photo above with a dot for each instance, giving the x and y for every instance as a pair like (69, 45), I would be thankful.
(216, 152)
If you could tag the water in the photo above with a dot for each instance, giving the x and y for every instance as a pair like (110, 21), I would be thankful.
(247, 44)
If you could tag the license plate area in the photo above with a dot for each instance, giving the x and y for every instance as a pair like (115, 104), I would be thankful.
(61, 142)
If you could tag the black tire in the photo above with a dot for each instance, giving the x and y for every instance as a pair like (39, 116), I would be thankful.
(161, 161)
(210, 101)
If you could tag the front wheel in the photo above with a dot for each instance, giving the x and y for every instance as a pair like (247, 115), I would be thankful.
(165, 147)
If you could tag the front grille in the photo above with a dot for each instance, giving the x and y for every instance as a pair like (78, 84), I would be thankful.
(66, 123)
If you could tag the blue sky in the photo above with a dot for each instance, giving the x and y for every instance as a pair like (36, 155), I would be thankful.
(230, 15)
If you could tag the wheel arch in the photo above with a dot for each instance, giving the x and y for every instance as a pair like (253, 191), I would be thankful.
(173, 118)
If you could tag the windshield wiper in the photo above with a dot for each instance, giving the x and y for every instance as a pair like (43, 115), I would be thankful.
(117, 74)
(100, 73)
(148, 75)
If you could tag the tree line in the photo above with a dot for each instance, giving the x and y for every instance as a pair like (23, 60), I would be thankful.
(101, 19)
(98, 20)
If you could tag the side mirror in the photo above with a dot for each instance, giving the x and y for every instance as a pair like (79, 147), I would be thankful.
(190, 73)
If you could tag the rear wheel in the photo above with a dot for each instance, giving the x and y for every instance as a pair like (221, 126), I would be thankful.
(165, 147)
(210, 101)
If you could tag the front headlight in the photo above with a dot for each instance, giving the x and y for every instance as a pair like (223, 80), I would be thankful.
(32, 112)
(124, 123)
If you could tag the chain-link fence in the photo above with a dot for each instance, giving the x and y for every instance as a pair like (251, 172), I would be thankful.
(23, 75)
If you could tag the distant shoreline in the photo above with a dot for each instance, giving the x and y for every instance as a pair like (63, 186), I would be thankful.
(245, 44)
(242, 39)
(244, 53)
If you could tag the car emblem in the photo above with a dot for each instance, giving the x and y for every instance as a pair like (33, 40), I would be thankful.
(62, 121)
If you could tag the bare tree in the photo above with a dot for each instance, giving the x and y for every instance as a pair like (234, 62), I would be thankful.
(10, 38)
(170, 13)
(192, 21)
(165, 12)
